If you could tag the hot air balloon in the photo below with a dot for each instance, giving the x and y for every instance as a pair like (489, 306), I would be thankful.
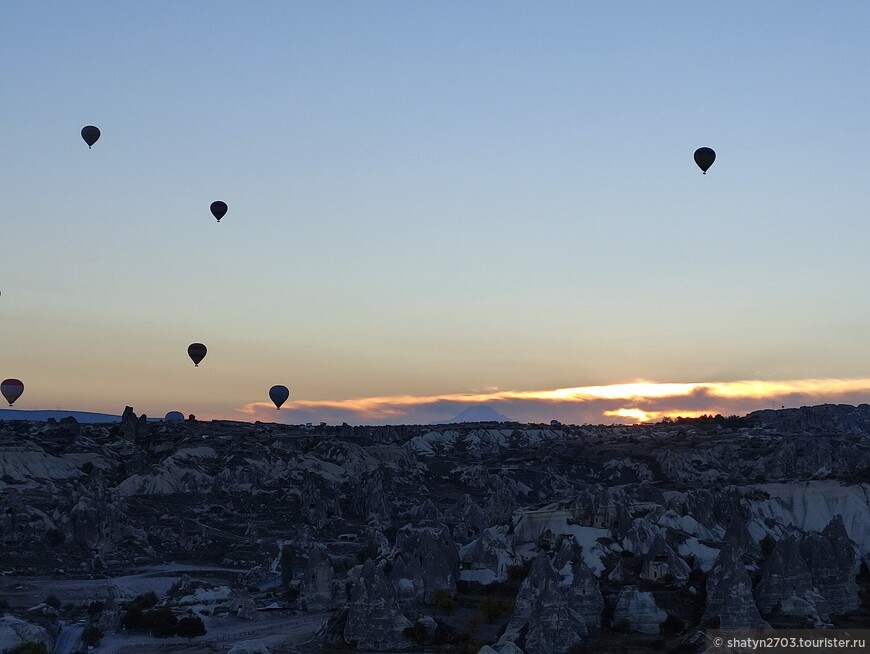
(11, 389)
(279, 394)
(704, 157)
(90, 134)
(196, 351)
(174, 416)
(219, 209)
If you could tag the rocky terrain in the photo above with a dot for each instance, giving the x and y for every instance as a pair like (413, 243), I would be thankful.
(474, 537)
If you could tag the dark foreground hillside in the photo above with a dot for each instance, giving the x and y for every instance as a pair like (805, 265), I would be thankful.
(451, 538)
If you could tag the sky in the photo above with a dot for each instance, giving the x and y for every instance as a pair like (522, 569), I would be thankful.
(435, 205)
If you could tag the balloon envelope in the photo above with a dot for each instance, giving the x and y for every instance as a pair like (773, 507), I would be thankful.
(174, 416)
(90, 134)
(279, 394)
(219, 209)
(11, 389)
(704, 157)
(196, 351)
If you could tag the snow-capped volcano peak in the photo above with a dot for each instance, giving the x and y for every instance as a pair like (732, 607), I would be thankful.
(478, 413)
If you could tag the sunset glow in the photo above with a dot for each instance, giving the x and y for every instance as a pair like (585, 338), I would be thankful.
(632, 414)
(427, 209)
(639, 401)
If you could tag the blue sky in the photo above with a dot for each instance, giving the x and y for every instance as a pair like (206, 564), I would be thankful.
(428, 199)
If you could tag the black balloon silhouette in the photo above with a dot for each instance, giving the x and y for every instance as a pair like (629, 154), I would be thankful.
(11, 390)
(704, 157)
(219, 209)
(196, 351)
(279, 394)
(90, 134)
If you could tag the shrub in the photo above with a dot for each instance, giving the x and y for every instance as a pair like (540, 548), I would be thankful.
(161, 622)
(132, 619)
(417, 633)
(863, 579)
(622, 626)
(370, 551)
(671, 626)
(607, 615)
(142, 602)
(285, 565)
(490, 608)
(443, 601)
(190, 627)
(28, 647)
(92, 635)
(518, 572)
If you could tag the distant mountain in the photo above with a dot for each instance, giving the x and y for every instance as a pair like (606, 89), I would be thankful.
(42, 416)
(479, 413)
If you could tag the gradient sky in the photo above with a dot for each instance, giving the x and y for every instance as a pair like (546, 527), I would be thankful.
(434, 201)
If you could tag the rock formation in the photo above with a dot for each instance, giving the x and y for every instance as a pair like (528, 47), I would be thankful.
(641, 536)
(135, 430)
(729, 594)
(784, 575)
(14, 631)
(374, 620)
(103, 499)
(368, 501)
(830, 557)
(662, 563)
(553, 610)
(317, 592)
(486, 559)
(501, 503)
(579, 583)
(319, 501)
(467, 519)
(553, 626)
(637, 611)
(428, 558)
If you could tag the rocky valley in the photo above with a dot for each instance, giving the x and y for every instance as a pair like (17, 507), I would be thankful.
(467, 538)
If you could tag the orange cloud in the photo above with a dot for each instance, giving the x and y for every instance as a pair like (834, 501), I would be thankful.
(638, 401)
